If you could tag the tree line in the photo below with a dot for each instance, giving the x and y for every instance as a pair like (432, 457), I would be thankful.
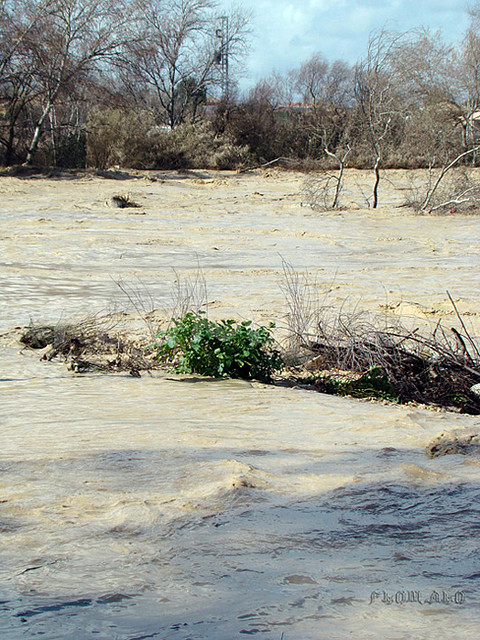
(144, 85)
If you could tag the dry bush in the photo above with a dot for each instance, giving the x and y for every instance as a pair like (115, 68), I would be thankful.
(189, 294)
(201, 148)
(439, 367)
(140, 301)
(135, 140)
(458, 192)
(103, 137)
(414, 193)
(322, 193)
(304, 165)
(126, 139)
(304, 302)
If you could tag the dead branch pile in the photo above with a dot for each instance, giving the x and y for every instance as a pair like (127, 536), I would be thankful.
(438, 368)
(122, 201)
(113, 342)
(427, 369)
(89, 345)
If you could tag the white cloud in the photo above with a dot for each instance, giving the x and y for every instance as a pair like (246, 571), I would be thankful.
(287, 32)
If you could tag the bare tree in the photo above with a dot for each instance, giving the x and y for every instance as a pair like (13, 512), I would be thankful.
(442, 78)
(443, 84)
(17, 89)
(275, 90)
(322, 84)
(311, 79)
(179, 53)
(379, 97)
(70, 41)
(327, 89)
(17, 19)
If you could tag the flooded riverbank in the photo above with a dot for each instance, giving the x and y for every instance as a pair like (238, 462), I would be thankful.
(170, 508)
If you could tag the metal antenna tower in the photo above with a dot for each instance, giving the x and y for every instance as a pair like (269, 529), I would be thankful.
(222, 54)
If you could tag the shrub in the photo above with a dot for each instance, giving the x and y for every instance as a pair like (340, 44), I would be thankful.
(102, 138)
(221, 349)
(134, 140)
(201, 148)
(72, 151)
(116, 137)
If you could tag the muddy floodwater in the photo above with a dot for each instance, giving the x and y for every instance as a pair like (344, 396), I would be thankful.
(163, 507)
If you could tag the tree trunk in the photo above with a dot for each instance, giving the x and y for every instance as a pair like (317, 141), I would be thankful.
(377, 182)
(52, 130)
(32, 149)
(339, 176)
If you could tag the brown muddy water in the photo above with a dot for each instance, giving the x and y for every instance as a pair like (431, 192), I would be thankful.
(168, 508)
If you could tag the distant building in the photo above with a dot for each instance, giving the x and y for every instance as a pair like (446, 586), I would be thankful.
(295, 107)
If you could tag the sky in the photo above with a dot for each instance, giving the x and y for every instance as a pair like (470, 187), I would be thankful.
(287, 33)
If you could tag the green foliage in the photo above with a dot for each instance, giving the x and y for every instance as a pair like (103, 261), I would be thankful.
(372, 384)
(221, 349)
(458, 400)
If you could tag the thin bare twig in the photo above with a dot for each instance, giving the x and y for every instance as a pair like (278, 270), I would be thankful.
(469, 337)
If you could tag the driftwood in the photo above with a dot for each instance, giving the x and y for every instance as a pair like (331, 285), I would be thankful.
(265, 164)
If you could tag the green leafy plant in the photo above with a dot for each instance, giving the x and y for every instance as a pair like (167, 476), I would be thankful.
(195, 344)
